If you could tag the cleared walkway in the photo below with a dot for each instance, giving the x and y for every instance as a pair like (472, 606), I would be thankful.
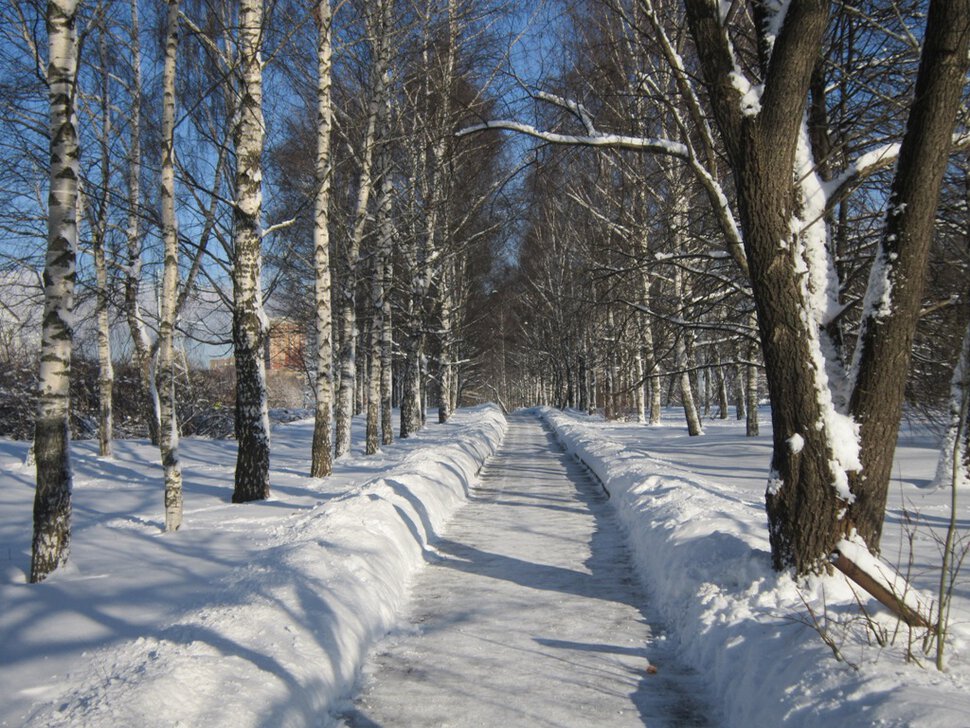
(529, 613)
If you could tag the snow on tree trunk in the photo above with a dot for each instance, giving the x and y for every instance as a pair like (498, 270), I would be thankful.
(249, 323)
(133, 312)
(52, 499)
(378, 29)
(891, 308)
(321, 463)
(168, 440)
(814, 446)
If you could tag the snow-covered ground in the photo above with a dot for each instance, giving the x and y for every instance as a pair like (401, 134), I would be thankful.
(261, 614)
(255, 614)
(693, 510)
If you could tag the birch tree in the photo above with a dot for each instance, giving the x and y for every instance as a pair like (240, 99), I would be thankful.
(168, 441)
(379, 37)
(249, 323)
(141, 340)
(321, 463)
(52, 499)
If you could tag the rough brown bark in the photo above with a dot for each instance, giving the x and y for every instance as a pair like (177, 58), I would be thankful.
(889, 325)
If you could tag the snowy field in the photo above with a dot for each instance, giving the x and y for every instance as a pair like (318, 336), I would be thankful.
(261, 614)
(694, 512)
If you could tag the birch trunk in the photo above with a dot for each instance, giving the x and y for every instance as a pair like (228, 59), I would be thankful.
(99, 228)
(387, 369)
(378, 30)
(136, 323)
(381, 374)
(639, 387)
(373, 384)
(321, 464)
(444, 183)
(168, 440)
(447, 301)
(52, 499)
(682, 362)
(752, 427)
(249, 325)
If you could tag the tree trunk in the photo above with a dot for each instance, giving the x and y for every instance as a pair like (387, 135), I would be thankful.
(321, 460)
(136, 323)
(894, 297)
(378, 30)
(98, 241)
(808, 460)
(52, 499)
(639, 387)
(168, 440)
(249, 324)
(387, 361)
(722, 393)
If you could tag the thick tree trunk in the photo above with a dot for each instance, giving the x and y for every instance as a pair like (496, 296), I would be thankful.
(808, 486)
(52, 499)
(168, 440)
(321, 460)
(894, 296)
(249, 323)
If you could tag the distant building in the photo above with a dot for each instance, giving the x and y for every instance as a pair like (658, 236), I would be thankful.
(285, 345)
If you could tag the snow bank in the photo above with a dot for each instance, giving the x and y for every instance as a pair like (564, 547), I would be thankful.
(702, 552)
(285, 635)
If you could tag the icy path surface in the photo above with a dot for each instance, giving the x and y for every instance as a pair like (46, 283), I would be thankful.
(528, 614)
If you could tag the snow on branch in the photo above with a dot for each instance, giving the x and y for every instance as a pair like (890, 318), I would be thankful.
(597, 139)
(580, 111)
(873, 161)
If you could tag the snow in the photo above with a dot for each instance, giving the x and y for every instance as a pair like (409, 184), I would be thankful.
(255, 614)
(750, 93)
(582, 643)
(693, 510)
(263, 613)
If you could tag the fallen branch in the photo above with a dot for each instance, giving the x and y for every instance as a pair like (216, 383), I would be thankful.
(883, 583)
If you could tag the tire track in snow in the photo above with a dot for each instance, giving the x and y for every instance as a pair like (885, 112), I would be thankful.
(529, 613)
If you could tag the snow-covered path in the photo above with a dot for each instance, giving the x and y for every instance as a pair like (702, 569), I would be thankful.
(529, 613)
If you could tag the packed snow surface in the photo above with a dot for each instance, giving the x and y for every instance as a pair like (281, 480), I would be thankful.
(529, 613)
(262, 614)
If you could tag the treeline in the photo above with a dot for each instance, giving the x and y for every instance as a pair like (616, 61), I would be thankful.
(301, 153)
(754, 199)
